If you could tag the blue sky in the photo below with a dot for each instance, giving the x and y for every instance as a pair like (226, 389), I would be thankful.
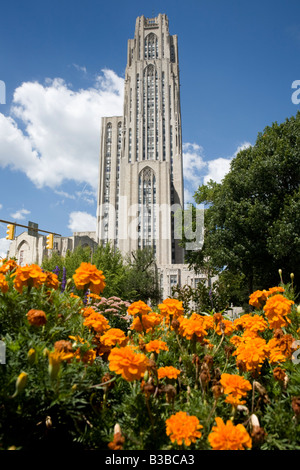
(63, 64)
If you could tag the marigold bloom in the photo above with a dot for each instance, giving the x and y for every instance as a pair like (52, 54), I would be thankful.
(277, 309)
(224, 326)
(28, 276)
(146, 323)
(182, 427)
(156, 345)
(236, 387)
(113, 337)
(252, 352)
(195, 325)
(88, 311)
(275, 290)
(279, 374)
(171, 307)
(168, 371)
(8, 265)
(229, 437)
(138, 308)
(127, 363)
(258, 298)
(63, 346)
(36, 317)
(87, 276)
(51, 280)
(251, 323)
(281, 348)
(97, 321)
(3, 283)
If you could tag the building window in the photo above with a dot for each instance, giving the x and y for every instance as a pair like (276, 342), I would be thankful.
(151, 47)
(147, 213)
(107, 169)
(150, 112)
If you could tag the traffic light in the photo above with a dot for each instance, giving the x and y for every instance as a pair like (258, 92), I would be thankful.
(10, 232)
(49, 244)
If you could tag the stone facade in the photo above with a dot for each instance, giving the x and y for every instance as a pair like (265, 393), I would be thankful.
(141, 182)
(28, 249)
(140, 168)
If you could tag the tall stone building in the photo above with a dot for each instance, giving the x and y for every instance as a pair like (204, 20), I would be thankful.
(141, 177)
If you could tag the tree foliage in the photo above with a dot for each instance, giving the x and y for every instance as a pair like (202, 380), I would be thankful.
(130, 279)
(252, 225)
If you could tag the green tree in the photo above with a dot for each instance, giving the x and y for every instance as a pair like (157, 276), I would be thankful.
(142, 278)
(252, 220)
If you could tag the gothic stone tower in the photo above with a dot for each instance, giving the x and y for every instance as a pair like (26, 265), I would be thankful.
(141, 180)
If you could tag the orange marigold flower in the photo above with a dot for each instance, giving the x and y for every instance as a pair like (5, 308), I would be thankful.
(156, 345)
(171, 307)
(28, 276)
(74, 296)
(277, 309)
(251, 323)
(224, 326)
(88, 357)
(3, 283)
(169, 371)
(63, 345)
(97, 321)
(229, 437)
(279, 374)
(182, 427)
(257, 298)
(194, 325)
(36, 317)
(86, 311)
(87, 276)
(127, 363)
(51, 280)
(146, 323)
(235, 386)
(8, 265)
(252, 352)
(275, 290)
(281, 348)
(138, 307)
(113, 337)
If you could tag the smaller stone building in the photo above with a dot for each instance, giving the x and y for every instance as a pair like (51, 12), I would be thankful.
(29, 249)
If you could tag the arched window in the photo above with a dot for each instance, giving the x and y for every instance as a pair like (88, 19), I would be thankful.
(150, 112)
(107, 170)
(151, 47)
(147, 212)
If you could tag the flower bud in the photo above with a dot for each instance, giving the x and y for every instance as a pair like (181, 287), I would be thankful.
(20, 383)
(31, 355)
(292, 276)
(48, 422)
(298, 309)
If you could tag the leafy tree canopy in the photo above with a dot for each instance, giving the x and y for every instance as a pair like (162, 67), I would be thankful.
(252, 225)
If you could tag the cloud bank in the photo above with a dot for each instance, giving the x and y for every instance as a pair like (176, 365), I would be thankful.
(198, 171)
(53, 132)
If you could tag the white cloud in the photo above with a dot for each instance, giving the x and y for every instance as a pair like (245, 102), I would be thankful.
(197, 171)
(193, 165)
(219, 167)
(61, 136)
(20, 214)
(4, 246)
(82, 222)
